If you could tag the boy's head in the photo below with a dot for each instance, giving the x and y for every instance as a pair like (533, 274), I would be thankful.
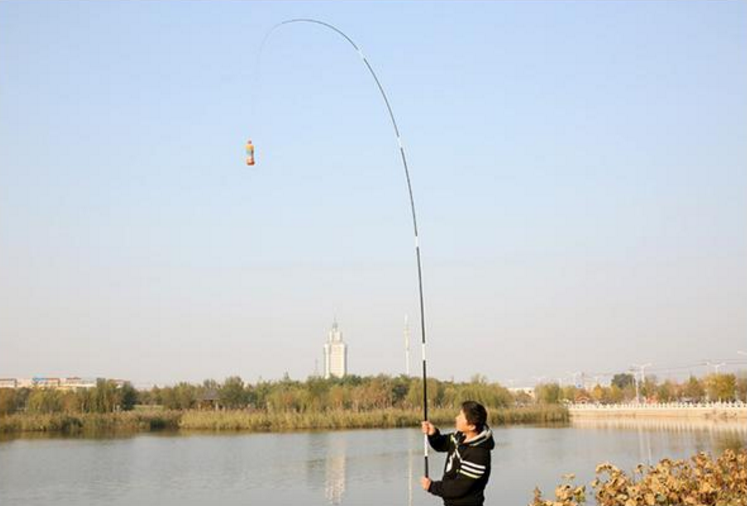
(472, 417)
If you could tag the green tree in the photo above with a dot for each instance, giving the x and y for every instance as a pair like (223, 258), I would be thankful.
(105, 396)
(128, 397)
(666, 392)
(490, 395)
(42, 401)
(7, 401)
(649, 387)
(259, 393)
(614, 395)
(721, 387)
(181, 396)
(376, 393)
(85, 400)
(742, 386)
(415, 394)
(400, 387)
(318, 392)
(547, 393)
(338, 397)
(147, 397)
(623, 380)
(22, 397)
(285, 397)
(568, 393)
(232, 394)
(693, 390)
(597, 393)
(210, 384)
(70, 402)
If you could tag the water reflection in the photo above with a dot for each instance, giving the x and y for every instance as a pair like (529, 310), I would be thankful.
(413, 482)
(334, 478)
(326, 464)
(336, 462)
(708, 435)
(644, 446)
(663, 424)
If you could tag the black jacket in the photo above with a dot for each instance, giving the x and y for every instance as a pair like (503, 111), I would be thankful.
(467, 468)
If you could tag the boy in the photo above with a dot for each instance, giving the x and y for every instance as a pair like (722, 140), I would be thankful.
(467, 468)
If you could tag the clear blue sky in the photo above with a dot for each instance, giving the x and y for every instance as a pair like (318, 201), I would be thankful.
(579, 169)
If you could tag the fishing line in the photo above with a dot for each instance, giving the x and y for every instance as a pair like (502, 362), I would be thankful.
(407, 178)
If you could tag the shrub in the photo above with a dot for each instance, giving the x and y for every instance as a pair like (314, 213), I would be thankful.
(700, 480)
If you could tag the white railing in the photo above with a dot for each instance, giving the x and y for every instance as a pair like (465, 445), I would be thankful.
(660, 406)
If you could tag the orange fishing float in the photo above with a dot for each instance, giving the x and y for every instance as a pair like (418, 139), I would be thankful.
(249, 152)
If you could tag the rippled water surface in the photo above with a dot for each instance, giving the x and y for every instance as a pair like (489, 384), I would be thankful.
(362, 467)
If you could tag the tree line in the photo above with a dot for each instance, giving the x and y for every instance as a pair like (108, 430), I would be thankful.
(354, 393)
(359, 394)
(622, 388)
(105, 397)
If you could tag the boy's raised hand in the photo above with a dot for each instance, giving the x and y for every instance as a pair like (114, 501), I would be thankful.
(428, 428)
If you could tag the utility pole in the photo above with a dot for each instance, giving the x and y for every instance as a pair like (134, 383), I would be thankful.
(635, 380)
(745, 354)
(574, 376)
(716, 367)
(642, 368)
(407, 347)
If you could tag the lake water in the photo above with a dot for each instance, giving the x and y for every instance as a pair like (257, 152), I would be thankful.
(360, 467)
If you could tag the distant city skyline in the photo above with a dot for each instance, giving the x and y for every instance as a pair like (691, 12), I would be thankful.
(579, 171)
(577, 378)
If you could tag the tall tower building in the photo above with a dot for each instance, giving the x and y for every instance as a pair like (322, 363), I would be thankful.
(335, 354)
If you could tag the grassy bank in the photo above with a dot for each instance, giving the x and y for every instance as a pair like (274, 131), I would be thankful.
(259, 421)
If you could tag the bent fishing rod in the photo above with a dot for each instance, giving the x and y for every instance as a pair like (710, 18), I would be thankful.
(409, 190)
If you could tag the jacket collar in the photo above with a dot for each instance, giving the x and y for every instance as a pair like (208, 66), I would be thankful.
(482, 437)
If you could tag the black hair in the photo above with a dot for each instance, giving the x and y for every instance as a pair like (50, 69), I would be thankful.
(476, 414)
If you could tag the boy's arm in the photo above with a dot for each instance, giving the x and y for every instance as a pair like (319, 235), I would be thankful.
(470, 472)
(439, 442)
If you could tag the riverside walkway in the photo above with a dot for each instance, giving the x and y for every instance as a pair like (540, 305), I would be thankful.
(708, 410)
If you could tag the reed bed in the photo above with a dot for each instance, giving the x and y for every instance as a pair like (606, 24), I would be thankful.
(260, 421)
(73, 423)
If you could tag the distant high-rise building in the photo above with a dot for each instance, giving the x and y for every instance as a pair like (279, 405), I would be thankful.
(335, 354)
